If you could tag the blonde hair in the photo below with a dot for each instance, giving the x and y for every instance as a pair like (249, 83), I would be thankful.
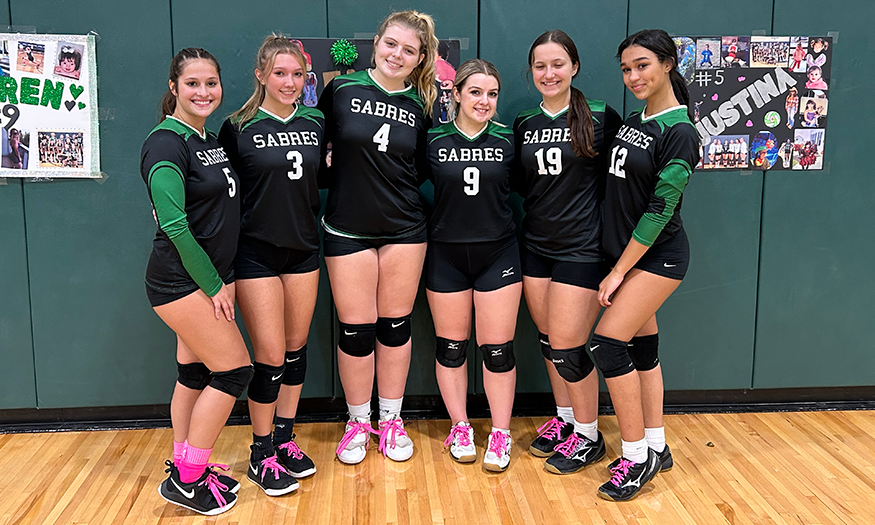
(423, 76)
(469, 68)
(272, 46)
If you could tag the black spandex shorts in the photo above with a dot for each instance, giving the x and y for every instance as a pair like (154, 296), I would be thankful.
(581, 274)
(164, 295)
(483, 266)
(669, 258)
(256, 258)
(336, 245)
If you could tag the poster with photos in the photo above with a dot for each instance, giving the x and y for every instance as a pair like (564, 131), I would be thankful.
(758, 102)
(321, 69)
(48, 106)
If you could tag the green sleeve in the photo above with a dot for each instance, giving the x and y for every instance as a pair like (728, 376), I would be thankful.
(167, 186)
(669, 188)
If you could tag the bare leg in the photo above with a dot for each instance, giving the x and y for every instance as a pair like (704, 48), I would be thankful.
(652, 391)
(300, 292)
(451, 313)
(496, 314)
(536, 290)
(184, 398)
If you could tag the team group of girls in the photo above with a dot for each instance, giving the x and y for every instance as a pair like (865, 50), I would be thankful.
(237, 220)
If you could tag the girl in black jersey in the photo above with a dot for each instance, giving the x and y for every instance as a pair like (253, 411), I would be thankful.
(562, 147)
(190, 277)
(652, 158)
(473, 259)
(275, 145)
(374, 224)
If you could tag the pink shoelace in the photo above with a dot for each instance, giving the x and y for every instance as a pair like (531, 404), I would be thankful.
(461, 432)
(389, 431)
(620, 471)
(216, 487)
(292, 449)
(355, 427)
(569, 446)
(497, 443)
(551, 429)
(272, 464)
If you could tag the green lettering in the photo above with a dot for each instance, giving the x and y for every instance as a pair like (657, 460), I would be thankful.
(29, 91)
(52, 93)
(8, 87)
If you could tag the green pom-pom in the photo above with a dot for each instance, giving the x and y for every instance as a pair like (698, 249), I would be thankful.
(344, 53)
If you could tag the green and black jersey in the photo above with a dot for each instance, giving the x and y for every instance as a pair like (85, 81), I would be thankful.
(563, 191)
(277, 161)
(193, 189)
(377, 143)
(651, 160)
(471, 177)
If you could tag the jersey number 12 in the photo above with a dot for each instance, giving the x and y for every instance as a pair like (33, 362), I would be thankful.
(618, 158)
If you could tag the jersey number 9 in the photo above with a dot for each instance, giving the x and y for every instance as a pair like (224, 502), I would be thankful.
(472, 181)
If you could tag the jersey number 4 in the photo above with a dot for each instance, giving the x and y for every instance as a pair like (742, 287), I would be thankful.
(618, 158)
(381, 137)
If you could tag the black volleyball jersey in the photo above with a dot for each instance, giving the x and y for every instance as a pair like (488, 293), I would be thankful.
(377, 140)
(194, 190)
(563, 191)
(277, 161)
(651, 161)
(471, 177)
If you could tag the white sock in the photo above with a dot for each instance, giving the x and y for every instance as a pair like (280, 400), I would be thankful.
(588, 430)
(505, 431)
(655, 438)
(635, 451)
(390, 408)
(565, 414)
(361, 413)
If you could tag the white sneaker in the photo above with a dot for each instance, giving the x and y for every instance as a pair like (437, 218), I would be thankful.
(497, 456)
(354, 444)
(394, 441)
(461, 442)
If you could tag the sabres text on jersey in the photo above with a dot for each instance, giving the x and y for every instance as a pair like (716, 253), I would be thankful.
(634, 137)
(470, 155)
(212, 156)
(541, 136)
(286, 138)
(382, 109)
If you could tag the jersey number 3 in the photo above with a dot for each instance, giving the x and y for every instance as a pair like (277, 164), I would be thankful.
(618, 158)
(381, 137)
(297, 160)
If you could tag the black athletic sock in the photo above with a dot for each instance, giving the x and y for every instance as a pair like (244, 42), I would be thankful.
(282, 430)
(262, 447)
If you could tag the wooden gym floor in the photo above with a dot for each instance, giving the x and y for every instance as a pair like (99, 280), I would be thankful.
(799, 468)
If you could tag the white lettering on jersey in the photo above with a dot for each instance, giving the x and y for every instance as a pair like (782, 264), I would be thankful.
(382, 109)
(286, 138)
(212, 156)
(470, 155)
(543, 136)
(634, 137)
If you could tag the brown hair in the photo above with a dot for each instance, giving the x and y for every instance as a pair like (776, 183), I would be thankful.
(423, 75)
(272, 46)
(579, 114)
(469, 68)
(177, 65)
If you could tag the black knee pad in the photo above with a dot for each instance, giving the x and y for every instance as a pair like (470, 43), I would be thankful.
(572, 364)
(498, 358)
(611, 356)
(232, 382)
(393, 331)
(357, 340)
(296, 367)
(644, 352)
(266, 382)
(451, 354)
(545, 344)
(193, 375)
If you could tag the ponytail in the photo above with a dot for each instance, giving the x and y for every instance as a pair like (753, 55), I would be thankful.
(177, 65)
(661, 44)
(679, 86)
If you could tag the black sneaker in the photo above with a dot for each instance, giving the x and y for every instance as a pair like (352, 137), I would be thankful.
(206, 495)
(551, 433)
(575, 453)
(270, 476)
(232, 484)
(294, 459)
(628, 478)
(664, 458)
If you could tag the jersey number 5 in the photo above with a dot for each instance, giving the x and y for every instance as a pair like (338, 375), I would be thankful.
(618, 158)
(297, 160)
(381, 137)
(232, 185)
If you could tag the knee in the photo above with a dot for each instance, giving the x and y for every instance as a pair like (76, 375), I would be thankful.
(644, 352)
(357, 340)
(296, 367)
(572, 364)
(451, 354)
(611, 356)
(394, 331)
(498, 358)
(544, 340)
(266, 381)
(193, 375)
(232, 382)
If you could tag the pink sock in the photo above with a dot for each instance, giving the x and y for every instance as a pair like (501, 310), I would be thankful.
(178, 449)
(193, 463)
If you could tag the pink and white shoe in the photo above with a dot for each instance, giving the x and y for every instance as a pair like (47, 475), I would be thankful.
(395, 444)
(461, 442)
(497, 456)
(354, 444)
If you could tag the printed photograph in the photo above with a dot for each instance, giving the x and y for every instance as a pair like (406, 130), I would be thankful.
(445, 74)
(736, 51)
(31, 57)
(686, 48)
(726, 152)
(708, 53)
(763, 150)
(786, 153)
(798, 50)
(68, 60)
(4, 58)
(808, 149)
(769, 51)
(812, 112)
(16, 148)
(60, 149)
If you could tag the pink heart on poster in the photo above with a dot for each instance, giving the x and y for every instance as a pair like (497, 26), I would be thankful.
(741, 79)
(749, 124)
(715, 97)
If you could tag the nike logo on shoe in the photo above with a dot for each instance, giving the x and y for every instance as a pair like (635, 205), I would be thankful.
(188, 494)
(253, 469)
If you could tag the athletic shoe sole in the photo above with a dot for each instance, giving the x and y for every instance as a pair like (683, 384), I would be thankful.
(492, 467)
(303, 474)
(554, 470)
(471, 458)
(275, 492)
(538, 453)
(213, 512)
